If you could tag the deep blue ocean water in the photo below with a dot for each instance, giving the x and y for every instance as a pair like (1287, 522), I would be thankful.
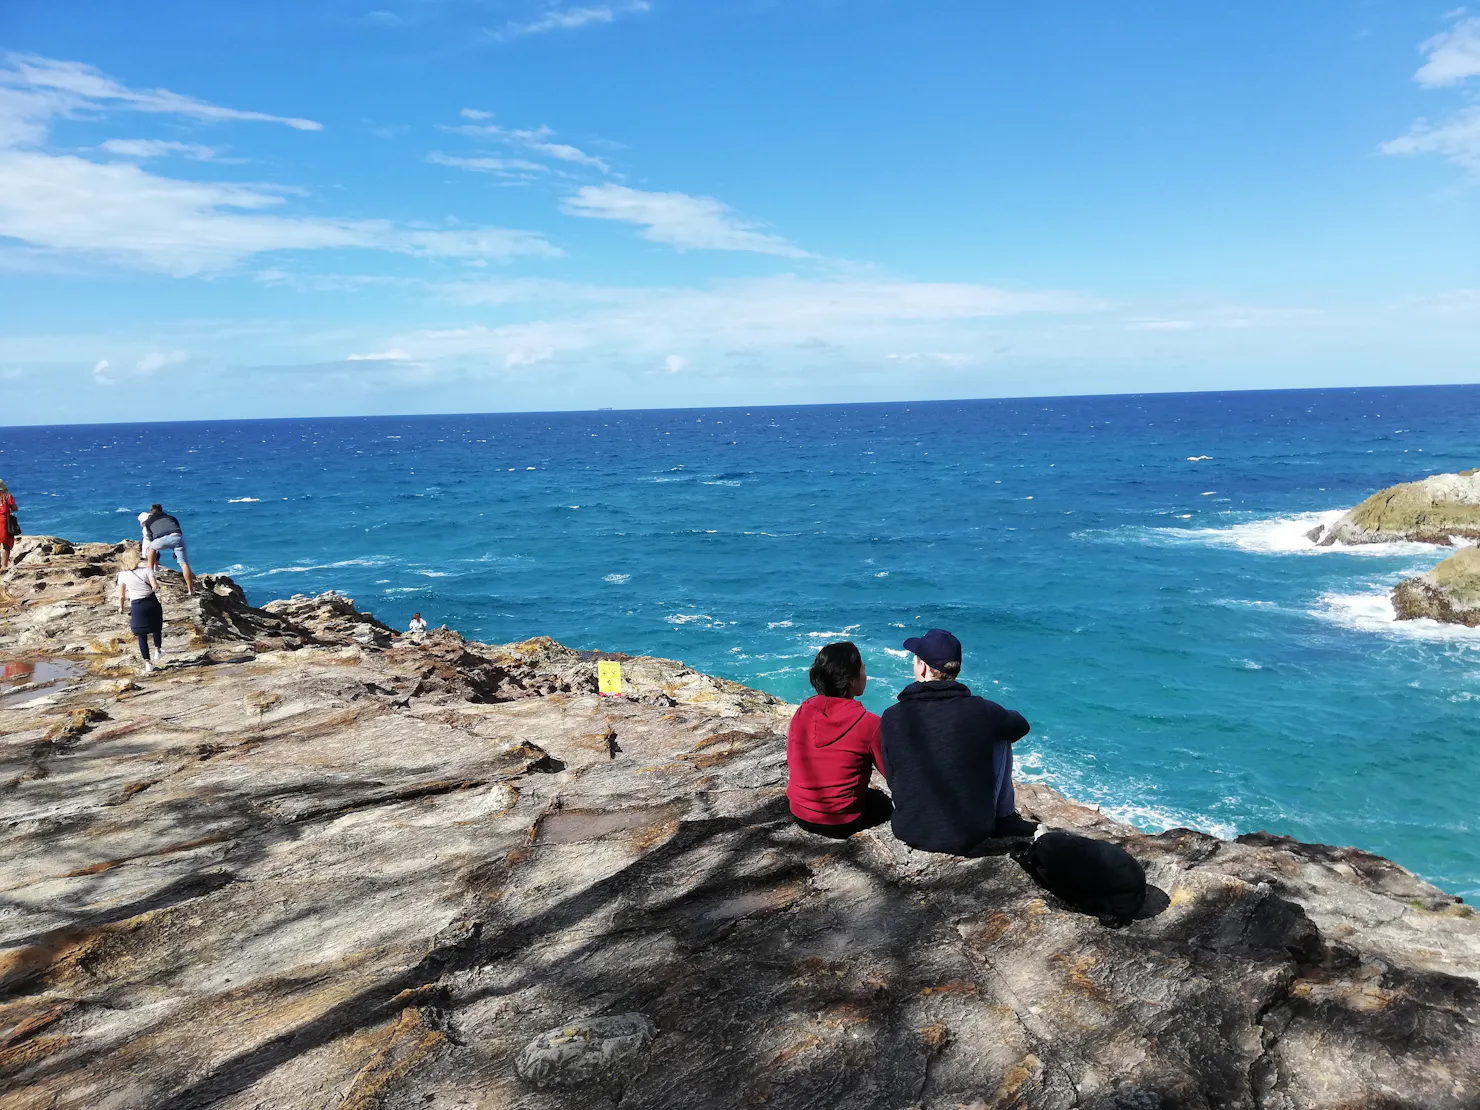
(1127, 571)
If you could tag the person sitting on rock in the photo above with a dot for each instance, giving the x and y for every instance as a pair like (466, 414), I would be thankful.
(417, 628)
(949, 754)
(161, 532)
(831, 749)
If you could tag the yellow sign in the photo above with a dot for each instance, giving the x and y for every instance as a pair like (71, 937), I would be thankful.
(609, 677)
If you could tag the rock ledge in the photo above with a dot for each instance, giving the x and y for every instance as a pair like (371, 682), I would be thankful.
(313, 865)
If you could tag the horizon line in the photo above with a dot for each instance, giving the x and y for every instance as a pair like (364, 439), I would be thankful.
(736, 407)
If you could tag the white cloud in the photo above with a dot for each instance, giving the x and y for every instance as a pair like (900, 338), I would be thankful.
(35, 90)
(786, 318)
(159, 148)
(568, 19)
(1453, 56)
(156, 361)
(680, 220)
(124, 214)
(522, 356)
(536, 140)
(475, 114)
(1457, 140)
(520, 168)
(380, 356)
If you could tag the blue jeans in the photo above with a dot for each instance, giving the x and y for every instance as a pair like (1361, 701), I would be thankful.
(1006, 802)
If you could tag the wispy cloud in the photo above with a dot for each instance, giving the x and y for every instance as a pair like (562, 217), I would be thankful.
(520, 168)
(119, 212)
(1453, 57)
(124, 214)
(536, 140)
(160, 148)
(786, 318)
(680, 220)
(35, 90)
(571, 18)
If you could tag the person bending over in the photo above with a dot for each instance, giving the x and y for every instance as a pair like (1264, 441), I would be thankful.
(163, 532)
(949, 754)
(832, 747)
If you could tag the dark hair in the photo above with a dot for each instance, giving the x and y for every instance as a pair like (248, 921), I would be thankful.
(835, 668)
(156, 508)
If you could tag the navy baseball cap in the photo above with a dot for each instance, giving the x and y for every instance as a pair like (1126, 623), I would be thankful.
(937, 647)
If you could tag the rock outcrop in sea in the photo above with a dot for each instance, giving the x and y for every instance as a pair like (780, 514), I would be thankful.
(1450, 592)
(313, 865)
(1434, 510)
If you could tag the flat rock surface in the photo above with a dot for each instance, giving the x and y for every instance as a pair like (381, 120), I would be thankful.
(312, 865)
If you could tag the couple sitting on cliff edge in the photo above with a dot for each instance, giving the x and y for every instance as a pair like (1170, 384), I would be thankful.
(945, 753)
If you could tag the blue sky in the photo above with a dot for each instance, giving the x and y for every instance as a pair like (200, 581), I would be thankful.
(321, 207)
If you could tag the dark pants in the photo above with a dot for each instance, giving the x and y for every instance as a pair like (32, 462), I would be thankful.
(877, 808)
(146, 618)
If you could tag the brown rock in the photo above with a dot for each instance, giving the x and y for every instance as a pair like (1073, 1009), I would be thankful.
(334, 873)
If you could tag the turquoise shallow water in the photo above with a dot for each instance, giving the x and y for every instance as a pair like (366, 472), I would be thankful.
(1127, 571)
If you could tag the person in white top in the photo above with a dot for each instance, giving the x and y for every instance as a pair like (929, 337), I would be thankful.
(138, 588)
(417, 628)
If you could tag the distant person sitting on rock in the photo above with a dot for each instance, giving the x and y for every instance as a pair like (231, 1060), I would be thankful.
(831, 749)
(949, 754)
(163, 532)
(10, 528)
(138, 588)
(417, 628)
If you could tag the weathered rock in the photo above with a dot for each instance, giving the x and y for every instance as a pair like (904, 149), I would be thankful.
(605, 1050)
(1450, 592)
(1433, 510)
(319, 873)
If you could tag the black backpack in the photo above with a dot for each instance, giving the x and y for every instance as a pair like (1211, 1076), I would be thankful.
(1092, 876)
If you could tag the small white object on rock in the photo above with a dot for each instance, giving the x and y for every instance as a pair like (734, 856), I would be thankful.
(587, 1050)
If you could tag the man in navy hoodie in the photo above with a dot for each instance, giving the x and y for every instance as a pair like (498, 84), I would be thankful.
(949, 755)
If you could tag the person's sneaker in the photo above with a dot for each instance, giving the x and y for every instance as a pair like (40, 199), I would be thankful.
(1014, 825)
(159, 657)
(148, 667)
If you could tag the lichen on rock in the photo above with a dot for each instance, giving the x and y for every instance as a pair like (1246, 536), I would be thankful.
(1434, 510)
(1449, 593)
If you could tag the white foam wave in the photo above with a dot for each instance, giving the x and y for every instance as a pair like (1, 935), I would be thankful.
(617, 578)
(1283, 535)
(375, 561)
(778, 624)
(242, 500)
(688, 618)
(1374, 613)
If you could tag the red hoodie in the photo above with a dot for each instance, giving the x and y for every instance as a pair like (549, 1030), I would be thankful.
(831, 747)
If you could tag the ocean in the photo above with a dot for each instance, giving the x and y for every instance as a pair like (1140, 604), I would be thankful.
(1129, 571)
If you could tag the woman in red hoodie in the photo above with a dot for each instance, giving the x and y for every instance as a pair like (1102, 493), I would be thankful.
(832, 747)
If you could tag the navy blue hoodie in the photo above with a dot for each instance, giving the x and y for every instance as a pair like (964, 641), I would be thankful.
(937, 741)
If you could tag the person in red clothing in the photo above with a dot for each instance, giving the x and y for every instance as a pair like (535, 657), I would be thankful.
(7, 515)
(832, 747)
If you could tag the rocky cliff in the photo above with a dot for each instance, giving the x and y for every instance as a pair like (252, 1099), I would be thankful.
(312, 865)
(1450, 592)
(1434, 510)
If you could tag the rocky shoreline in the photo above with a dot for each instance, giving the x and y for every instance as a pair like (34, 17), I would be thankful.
(1439, 510)
(311, 864)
